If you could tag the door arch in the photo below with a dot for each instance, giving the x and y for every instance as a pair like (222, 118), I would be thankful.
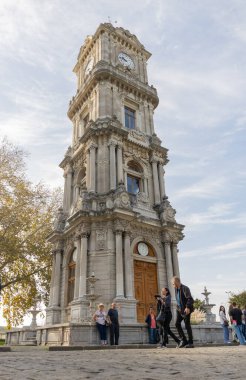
(145, 282)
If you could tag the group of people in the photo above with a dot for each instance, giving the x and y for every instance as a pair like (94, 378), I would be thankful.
(164, 316)
(110, 319)
(184, 310)
(160, 322)
(237, 318)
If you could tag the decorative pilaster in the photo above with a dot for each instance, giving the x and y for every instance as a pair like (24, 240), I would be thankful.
(175, 260)
(169, 266)
(88, 169)
(77, 269)
(119, 264)
(52, 278)
(112, 165)
(67, 189)
(83, 264)
(156, 182)
(92, 168)
(161, 180)
(57, 278)
(128, 266)
(119, 164)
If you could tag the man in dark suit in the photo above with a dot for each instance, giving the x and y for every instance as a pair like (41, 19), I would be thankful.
(184, 310)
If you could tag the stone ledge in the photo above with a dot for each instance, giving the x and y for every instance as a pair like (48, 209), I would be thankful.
(130, 346)
(5, 349)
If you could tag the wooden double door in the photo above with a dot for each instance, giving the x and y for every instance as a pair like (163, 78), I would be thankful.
(145, 280)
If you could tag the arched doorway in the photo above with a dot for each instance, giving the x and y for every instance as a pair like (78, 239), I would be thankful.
(145, 279)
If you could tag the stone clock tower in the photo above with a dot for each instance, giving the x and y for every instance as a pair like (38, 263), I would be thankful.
(116, 220)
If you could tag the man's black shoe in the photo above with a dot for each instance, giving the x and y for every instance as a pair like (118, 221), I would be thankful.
(182, 344)
(189, 345)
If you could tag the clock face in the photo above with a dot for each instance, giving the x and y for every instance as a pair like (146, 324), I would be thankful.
(143, 249)
(89, 66)
(125, 60)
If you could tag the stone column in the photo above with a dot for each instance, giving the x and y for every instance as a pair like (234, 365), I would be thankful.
(112, 165)
(65, 192)
(119, 265)
(76, 193)
(156, 182)
(88, 170)
(83, 265)
(169, 266)
(128, 266)
(69, 187)
(57, 278)
(93, 168)
(175, 260)
(146, 186)
(77, 268)
(52, 278)
(161, 181)
(119, 164)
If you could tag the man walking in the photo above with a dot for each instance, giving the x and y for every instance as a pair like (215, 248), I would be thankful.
(184, 310)
(236, 320)
(114, 325)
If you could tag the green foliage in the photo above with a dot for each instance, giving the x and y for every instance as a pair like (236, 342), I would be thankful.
(239, 298)
(198, 304)
(26, 218)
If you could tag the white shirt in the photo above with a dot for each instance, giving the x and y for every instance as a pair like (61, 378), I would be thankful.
(100, 317)
(222, 317)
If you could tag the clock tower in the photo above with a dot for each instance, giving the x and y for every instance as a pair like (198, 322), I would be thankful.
(116, 222)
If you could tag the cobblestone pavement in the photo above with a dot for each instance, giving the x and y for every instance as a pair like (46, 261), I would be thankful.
(32, 363)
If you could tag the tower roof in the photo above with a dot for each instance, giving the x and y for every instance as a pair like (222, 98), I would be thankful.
(127, 38)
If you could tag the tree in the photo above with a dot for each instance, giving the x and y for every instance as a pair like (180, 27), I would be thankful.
(26, 218)
(239, 298)
(198, 304)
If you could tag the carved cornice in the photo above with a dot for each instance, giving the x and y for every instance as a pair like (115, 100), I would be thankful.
(105, 71)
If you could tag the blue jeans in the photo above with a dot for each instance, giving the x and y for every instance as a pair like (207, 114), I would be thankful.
(102, 331)
(152, 336)
(238, 330)
(244, 330)
(226, 333)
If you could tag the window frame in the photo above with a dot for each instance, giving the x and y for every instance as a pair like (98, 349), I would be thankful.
(130, 117)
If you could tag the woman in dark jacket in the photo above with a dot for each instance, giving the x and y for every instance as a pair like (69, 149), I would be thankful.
(166, 311)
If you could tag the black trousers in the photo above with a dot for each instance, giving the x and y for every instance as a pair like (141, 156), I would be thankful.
(186, 320)
(114, 332)
(167, 331)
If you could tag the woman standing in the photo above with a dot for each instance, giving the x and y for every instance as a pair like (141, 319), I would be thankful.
(224, 324)
(151, 321)
(100, 318)
(167, 314)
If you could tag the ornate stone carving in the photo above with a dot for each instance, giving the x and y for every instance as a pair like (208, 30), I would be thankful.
(167, 213)
(59, 223)
(100, 239)
(139, 137)
(122, 200)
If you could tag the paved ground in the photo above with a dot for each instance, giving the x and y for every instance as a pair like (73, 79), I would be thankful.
(31, 363)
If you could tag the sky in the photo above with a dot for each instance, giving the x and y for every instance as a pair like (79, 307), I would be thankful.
(198, 66)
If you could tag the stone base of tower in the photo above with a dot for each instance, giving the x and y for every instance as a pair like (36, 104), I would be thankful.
(85, 334)
(53, 315)
(79, 311)
(127, 308)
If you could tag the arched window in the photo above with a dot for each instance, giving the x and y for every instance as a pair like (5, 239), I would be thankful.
(71, 275)
(134, 178)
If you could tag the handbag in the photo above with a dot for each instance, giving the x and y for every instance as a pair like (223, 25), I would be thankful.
(226, 323)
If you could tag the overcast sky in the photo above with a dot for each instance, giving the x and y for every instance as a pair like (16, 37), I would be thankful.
(198, 66)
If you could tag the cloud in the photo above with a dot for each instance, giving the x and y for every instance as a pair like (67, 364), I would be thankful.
(217, 251)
